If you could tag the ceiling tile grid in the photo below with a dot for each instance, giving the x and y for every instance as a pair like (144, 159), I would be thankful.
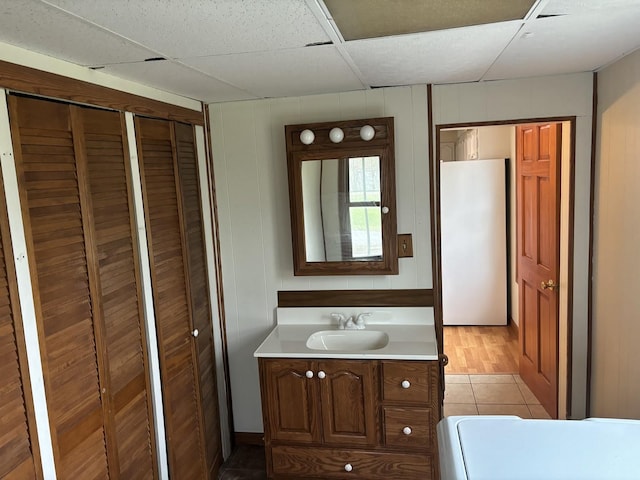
(39, 27)
(190, 28)
(227, 50)
(573, 43)
(282, 73)
(443, 56)
(173, 77)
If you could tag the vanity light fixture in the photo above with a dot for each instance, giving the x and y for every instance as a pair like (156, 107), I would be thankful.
(367, 132)
(336, 135)
(307, 136)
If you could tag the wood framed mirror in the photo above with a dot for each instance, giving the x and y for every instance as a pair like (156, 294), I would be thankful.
(342, 197)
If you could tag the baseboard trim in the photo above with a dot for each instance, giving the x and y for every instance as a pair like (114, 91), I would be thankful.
(249, 438)
(513, 326)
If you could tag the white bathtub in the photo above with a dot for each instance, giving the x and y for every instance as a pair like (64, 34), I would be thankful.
(510, 448)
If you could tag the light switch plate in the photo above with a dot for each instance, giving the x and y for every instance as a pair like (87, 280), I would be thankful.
(405, 245)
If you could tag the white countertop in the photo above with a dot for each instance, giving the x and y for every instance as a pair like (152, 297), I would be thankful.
(410, 329)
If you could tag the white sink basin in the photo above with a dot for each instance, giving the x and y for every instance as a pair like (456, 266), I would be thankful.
(348, 340)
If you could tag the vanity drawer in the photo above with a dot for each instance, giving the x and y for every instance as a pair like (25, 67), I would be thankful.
(309, 462)
(414, 382)
(408, 427)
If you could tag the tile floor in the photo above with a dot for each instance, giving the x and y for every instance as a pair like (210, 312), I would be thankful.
(490, 395)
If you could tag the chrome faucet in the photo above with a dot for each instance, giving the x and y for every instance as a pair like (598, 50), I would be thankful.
(341, 320)
(350, 324)
(360, 324)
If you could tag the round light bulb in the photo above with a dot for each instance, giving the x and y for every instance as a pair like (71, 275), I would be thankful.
(307, 136)
(367, 133)
(336, 135)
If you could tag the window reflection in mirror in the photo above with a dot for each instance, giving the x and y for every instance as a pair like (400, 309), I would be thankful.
(341, 203)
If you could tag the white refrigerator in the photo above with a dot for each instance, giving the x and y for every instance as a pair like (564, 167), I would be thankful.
(474, 242)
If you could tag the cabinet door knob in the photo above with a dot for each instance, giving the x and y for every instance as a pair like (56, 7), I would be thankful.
(406, 430)
(321, 374)
(309, 374)
(195, 332)
(348, 467)
(405, 384)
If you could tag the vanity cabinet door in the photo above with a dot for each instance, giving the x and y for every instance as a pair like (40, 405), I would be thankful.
(348, 399)
(289, 392)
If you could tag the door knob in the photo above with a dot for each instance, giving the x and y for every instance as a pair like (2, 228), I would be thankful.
(195, 332)
(549, 285)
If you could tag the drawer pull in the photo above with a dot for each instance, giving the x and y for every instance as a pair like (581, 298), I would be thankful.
(405, 384)
(309, 374)
(348, 467)
(406, 430)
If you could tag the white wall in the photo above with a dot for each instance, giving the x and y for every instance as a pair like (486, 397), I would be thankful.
(494, 142)
(253, 207)
(542, 97)
(615, 387)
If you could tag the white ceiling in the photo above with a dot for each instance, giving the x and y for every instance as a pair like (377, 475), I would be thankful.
(225, 50)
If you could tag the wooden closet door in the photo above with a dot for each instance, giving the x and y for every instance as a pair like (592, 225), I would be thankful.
(172, 301)
(19, 457)
(116, 256)
(199, 289)
(55, 230)
(74, 181)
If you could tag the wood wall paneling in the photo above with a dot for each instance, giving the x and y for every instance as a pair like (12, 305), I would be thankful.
(19, 456)
(356, 298)
(37, 82)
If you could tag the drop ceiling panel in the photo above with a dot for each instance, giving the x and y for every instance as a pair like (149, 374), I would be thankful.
(178, 79)
(444, 56)
(572, 43)
(295, 72)
(41, 28)
(564, 7)
(190, 28)
(358, 19)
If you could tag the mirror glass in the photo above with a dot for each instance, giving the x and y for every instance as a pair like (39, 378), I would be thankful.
(342, 197)
(342, 210)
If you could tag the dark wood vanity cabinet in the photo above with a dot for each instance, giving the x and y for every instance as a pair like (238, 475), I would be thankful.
(350, 418)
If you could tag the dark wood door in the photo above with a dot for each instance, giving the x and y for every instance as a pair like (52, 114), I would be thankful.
(291, 397)
(199, 292)
(538, 149)
(114, 251)
(172, 299)
(348, 402)
(54, 219)
(18, 443)
(72, 167)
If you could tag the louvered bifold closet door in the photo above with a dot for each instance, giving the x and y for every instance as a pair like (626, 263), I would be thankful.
(73, 186)
(199, 288)
(18, 446)
(178, 366)
(109, 181)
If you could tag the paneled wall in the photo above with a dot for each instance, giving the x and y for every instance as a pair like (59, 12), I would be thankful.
(253, 207)
(615, 388)
(530, 98)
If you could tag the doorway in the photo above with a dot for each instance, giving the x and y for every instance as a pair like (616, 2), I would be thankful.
(449, 146)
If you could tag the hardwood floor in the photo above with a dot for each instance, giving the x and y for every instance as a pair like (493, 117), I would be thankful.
(481, 349)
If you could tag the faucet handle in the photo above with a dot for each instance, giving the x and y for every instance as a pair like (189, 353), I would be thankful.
(360, 320)
(341, 320)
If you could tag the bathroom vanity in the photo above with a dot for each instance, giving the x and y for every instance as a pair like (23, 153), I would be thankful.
(359, 403)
